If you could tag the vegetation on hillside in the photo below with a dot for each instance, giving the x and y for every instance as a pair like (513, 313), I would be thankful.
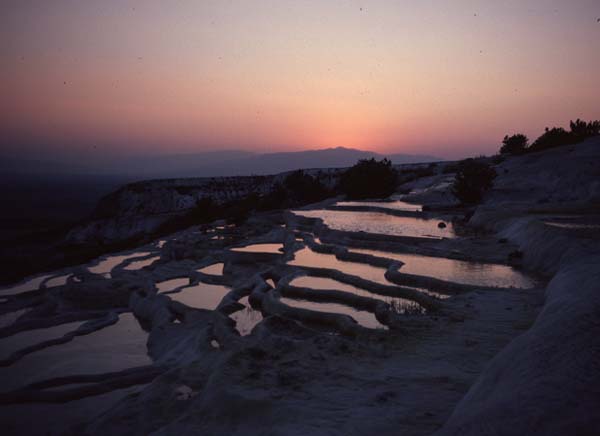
(552, 137)
(298, 188)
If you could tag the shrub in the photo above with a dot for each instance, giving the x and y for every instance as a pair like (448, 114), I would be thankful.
(498, 159)
(515, 144)
(369, 179)
(473, 179)
(410, 174)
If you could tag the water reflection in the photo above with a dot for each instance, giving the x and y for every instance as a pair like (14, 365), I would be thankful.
(216, 269)
(31, 284)
(169, 285)
(395, 205)
(307, 257)
(10, 344)
(201, 296)
(459, 271)
(247, 318)
(401, 305)
(106, 265)
(57, 281)
(34, 283)
(113, 348)
(139, 264)
(381, 223)
(364, 318)
(260, 248)
(10, 317)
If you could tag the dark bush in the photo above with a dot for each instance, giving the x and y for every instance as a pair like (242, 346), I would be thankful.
(450, 168)
(410, 174)
(498, 159)
(515, 144)
(369, 179)
(473, 179)
(303, 188)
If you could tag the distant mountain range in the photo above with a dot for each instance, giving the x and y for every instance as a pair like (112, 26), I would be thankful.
(208, 164)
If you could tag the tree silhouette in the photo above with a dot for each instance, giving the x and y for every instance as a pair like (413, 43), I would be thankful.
(557, 136)
(473, 179)
(369, 179)
(515, 144)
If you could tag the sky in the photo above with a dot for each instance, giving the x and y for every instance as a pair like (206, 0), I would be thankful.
(91, 79)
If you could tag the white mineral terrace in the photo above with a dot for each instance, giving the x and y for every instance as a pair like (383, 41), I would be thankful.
(363, 322)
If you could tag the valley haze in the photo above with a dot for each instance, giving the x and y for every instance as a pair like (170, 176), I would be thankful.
(202, 164)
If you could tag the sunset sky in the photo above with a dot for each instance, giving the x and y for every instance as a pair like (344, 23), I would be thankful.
(88, 78)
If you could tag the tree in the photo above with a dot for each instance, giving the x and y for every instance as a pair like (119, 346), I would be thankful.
(473, 179)
(303, 188)
(515, 144)
(369, 179)
(555, 137)
(581, 130)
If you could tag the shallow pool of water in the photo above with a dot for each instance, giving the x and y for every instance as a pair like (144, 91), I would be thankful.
(260, 248)
(458, 271)
(216, 269)
(10, 344)
(30, 284)
(364, 318)
(201, 296)
(57, 281)
(381, 223)
(139, 264)
(394, 204)
(169, 285)
(114, 348)
(307, 257)
(105, 265)
(247, 318)
(10, 317)
(401, 305)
